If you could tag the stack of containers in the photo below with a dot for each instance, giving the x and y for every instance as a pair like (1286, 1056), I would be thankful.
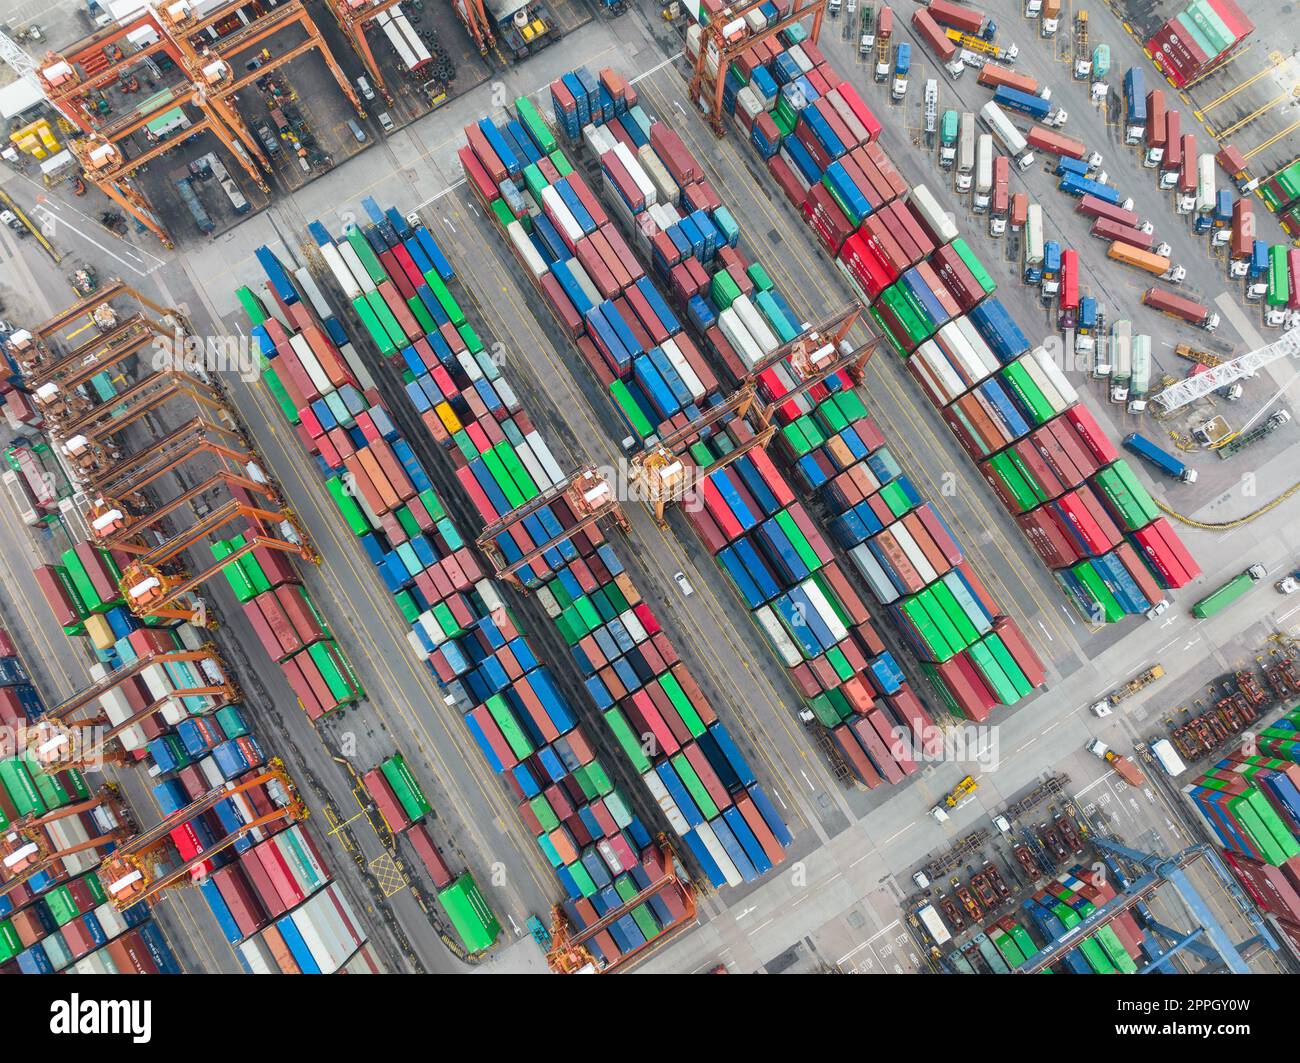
(975, 365)
(20, 703)
(1197, 39)
(1251, 804)
(277, 906)
(807, 431)
(1281, 194)
(512, 706)
(290, 627)
(1069, 900)
(580, 565)
(581, 264)
(81, 589)
(398, 796)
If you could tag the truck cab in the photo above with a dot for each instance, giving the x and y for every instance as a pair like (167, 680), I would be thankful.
(902, 64)
(866, 45)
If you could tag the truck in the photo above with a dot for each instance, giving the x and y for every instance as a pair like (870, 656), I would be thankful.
(983, 173)
(1073, 185)
(1033, 268)
(1001, 205)
(1180, 306)
(932, 34)
(1159, 458)
(949, 125)
(1124, 768)
(1135, 106)
(980, 46)
(931, 106)
(1055, 143)
(966, 153)
(1100, 63)
(959, 796)
(1235, 166)
(1010, 137)
(1051, 270)
(1093, 207)
(1050, 18)
(1143, 679)
(1167, 757)
(1019, 210)
(1107, 229)
(1206, 194)
(1256, 270)
(1036, 107)
(1140, 381)
(902, 65)
(1235, 588)
(1082, 57)
(991, 76)
(884, 31)
(1155, 138)
(1085, 328)
(963, 18)
(934, 925)
(1185, 201)
(1149, 261)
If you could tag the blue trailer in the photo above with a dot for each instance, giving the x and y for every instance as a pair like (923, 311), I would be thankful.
(1087, 320)
(1135, 106)
(1258, 260)
(1035, 107)
(1051, 260)
(1068, 167)
(1159, 459)
(1082, 186)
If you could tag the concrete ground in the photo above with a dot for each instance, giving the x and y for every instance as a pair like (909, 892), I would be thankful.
(842, 892)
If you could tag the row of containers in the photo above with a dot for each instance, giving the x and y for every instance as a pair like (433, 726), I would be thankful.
(1197, 39)
(1250, 803)
(1047, 916)
(61, 918)
(1281, 194)
(480, 439)
(1082, 507)
(660, 356)
(402, 803)
(193, 744)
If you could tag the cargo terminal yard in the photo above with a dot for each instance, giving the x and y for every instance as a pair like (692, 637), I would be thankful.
(480, 707)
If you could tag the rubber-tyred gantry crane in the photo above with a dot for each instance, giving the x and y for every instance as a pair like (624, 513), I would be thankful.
(726, 37)
(79, 734)
(26, 848)
(132, 873)
(660, 472)
(589, 497)
(569, 954)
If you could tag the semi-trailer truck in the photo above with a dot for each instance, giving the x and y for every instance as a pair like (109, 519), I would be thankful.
(1001, 205)
(949, 125)
(1235, 588)
(991, 76)
(1055, 143)
(1010, 137)
(1073, 185)
(966, 153)
(1135, 106)
(1181, 307)
(1036, 107)
(983, 173)
(1153, 262)
(1093, 207)
(902, 65)
(1033, 269)
(1159, 459)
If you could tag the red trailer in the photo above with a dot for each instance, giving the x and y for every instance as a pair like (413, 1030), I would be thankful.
(1019, 210)
(1055, 143)
(1173, 159)
(958, 16)
(1099, 208)
(1070, 279)
(1176, 306)
(1187, 175)
(991, 76)
(932, 33)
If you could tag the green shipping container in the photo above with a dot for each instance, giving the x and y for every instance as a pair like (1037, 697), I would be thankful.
(408, 791)
(981, 275)
(475, 924)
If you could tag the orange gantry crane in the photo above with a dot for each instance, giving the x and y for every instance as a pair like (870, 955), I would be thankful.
(726, 37)
(569, 954)
(354, 16)
(73, 82)
(663, 473)
(80, 733)
(142, 866)
(589, 497)
(35, 843)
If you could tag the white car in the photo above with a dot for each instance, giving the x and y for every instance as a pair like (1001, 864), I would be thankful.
(1101, 708)
(921, 879)
(684, 584)
(1158, 609)
(1002, 823)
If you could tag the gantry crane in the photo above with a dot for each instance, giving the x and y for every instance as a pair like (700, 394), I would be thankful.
(132, 872)
(726, 37)
(353, 18)
(26, 848)
(569, 954)
(589, 497)
(63, 738)
(660, 471)
(123, 484)
(1209, 940)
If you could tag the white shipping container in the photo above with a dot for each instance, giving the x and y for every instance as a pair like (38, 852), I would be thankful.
(118, 710)
(611, 859)
(584, 282)
(794, 169)
(257, 957)
(914, 553)
(1056, 375)
(776, 634)
(598, 139)
(525, 249)
(982, 350)
(635, 628)
(689, 377)
(710, 841)
(966, 363)
(749, 101)
(429, 624)
(561, 215)
(755, 324)
(506, 393)
(319, 379)
(211, 773)
(634, 169)
(1043, 383)
(342, 274)
(416, 644)
(797, 54)
(111, 920)
(829, 617)
(936, 219)
(533, 467)
(544, 455)
(661, 795)
(413, 41)
(355, 267)
(396, 39)
(945, 378)
(739, 338)
(666, 190)
(847, 116)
